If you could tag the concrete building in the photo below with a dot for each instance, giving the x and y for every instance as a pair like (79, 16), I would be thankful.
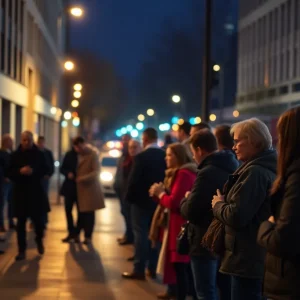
(31, 68)
(269, 56)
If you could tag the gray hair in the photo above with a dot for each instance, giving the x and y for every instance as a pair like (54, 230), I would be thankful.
(256, 131)
(28, 133)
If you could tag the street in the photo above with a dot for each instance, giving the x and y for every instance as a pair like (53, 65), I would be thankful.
(73, 271)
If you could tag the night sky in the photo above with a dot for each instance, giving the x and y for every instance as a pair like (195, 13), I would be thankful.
(121, 31)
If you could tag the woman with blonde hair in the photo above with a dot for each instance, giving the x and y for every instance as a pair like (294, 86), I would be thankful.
(180, 177)
(280, 234)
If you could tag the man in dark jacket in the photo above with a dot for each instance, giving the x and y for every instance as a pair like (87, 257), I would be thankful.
(148, 167)
(214, 169)
(5, 154)
(69, 191)
(27, 168)
(50, 162)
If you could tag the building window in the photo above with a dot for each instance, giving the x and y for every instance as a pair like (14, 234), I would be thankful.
(282, 20)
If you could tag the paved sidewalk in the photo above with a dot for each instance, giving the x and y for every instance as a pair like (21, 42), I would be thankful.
(73, 271)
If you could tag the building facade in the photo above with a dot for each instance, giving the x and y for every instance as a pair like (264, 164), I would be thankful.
(31, 68)
(269, 56)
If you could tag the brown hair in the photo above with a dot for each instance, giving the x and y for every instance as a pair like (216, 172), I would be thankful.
(288, 129)
(180, 152)
(205, 140)
(224, 137)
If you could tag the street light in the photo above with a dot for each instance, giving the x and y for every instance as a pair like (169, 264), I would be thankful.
(75, 103)
(77, 94)
(216, 68)
(53, 110)
(76, 122)
(213, 117)
(67, 115)
(77, 87)
(176, 99)
(236, 113)
(141, 117)
(76, 12)
(150, 112)
(197, 120)
(69, 65)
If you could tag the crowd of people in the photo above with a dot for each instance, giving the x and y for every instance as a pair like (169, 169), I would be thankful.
(216, 214)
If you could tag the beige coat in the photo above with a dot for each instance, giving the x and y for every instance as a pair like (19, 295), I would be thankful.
(90, 196)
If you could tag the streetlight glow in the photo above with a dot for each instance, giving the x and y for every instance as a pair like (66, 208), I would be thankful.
(175, 127)
(76, 12)
(76, 122)
(216, 68)
(64, 124)
(69, 65)
(198, 120)
(134, 133)
(236, 113)
(77, 94)
(67, 115)
(213, 117)
(53, 110)
(176, 99)
(180, 121)
(77, 87)
(75, 103)
(150, 112)
(139, 126)
(141, 117)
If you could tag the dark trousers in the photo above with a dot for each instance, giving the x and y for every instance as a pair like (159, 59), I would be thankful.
(182, 280)
(141, 222)
(46, 184)
(126, 212)
(205, 277)
(246, 288)
(6, 197)
(69, 204)
(86, 222)
(39, 227)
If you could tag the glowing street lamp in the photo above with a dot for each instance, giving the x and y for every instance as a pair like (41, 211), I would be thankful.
(67, 115)
(53, 110)
(197, 120)
(213, 117)
(236, 113)
(77, 87)
(217, 68)
(76, 12)
(69, 65)
(176, 99)
(75, 103)
(77, 94)
(76, 122)
(150, 112)
(141, 117)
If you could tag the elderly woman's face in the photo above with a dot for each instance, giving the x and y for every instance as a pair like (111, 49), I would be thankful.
(243, 149)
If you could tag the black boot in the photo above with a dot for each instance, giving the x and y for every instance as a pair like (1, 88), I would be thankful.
(21, 256)
(40, 247)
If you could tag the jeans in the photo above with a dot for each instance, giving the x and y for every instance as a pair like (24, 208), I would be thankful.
(205, 277)
(224, 286)
(39, 227)
(141, 222)
(6, 198)
(69, 203)
(86, 222)
(246, 288)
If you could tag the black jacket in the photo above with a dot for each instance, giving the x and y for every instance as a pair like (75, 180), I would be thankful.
(246, 206)
(50, 161)
(282, 269)
(212, 175)
(148, 167)
(29, 197)
(69, 165)
(4, 163)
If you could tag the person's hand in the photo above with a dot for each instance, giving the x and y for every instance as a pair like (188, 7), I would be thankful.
(152, 189)
(272, 220)
(217, 198)
(156, 189)
(187, 194)
(71, 176)
(26, 170)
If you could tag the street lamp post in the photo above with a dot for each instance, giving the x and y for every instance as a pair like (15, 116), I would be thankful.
(207, 62)
(220, 69)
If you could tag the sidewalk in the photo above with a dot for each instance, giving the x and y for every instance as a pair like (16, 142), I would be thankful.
(73, 271)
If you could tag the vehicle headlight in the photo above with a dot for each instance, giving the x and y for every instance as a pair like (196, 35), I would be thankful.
(106, 176)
